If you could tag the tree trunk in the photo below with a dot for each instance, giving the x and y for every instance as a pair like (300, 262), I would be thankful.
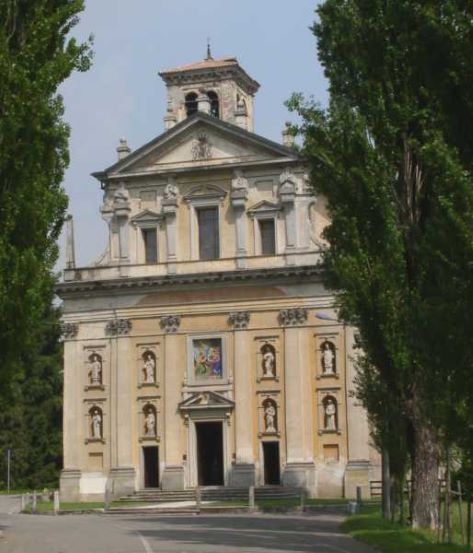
(386, 484)
(425, 473)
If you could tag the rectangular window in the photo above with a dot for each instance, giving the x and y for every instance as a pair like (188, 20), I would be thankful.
(207, 218)
(268, 242)
(150, 239)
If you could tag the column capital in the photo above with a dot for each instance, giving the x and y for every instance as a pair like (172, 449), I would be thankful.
(239, 319)
(293, 316)
(69, 330)
(170, 323)
(118, 327)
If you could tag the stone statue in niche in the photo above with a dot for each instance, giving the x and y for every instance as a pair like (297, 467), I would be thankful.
(96, 423)
(95, 370)
(149, 367)
(150, 423)
(328, 358)
(330, 409)
(270, 417)
(269, 361)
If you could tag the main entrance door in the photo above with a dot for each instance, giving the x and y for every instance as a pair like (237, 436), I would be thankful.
(151, 467)
(271, 463)
(209, 453)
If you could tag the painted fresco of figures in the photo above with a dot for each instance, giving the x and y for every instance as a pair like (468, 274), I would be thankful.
(150, 421)
(270, 416)
(208, 358)
(268, 361)
(95, 373)
(96, 422)
(328, 358)
(330, 414)
(149, 368)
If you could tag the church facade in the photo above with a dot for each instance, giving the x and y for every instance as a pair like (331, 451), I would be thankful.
(202, 348)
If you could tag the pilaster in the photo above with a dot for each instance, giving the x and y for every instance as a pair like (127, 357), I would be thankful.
(71, 474)
(300, 468)
(243, 470)
(357, 472)
(174, 365)
(122, 473)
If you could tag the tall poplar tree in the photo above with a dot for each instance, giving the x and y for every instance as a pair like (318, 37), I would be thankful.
(36, 56)
(393, 155)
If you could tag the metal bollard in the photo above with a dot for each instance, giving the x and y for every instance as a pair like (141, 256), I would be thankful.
(34, 504)
(23, 502)
(251, 498)
(56, 502)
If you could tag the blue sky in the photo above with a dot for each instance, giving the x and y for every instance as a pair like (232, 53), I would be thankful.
(122, 95)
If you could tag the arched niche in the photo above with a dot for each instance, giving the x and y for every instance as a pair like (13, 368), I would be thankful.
(149, 420)
(330, 408)
(95, 369)
(328, 358)
(268, 361)
(270, 416)
(96, 423)
(148, 374)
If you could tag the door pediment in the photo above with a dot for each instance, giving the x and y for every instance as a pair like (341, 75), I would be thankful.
(199, 401)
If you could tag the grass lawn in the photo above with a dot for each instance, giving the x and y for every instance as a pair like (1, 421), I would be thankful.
(48, 506)
(369, 527)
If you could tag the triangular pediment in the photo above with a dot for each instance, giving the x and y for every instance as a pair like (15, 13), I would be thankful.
(264, 207)
(200, 141)
(147, 216)
(206, 400)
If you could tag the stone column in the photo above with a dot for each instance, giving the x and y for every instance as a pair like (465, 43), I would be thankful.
(357, 472)
(287, 193)
(169, 212)
(122, 472)
(70, 246)
(174, 358)
(238, 198)
(300, 467)
(72, 418)
(243, 470)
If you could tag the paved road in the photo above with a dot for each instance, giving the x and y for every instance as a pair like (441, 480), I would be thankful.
(175, 534)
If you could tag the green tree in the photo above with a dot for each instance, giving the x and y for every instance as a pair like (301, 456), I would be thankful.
(36, 56)
(31, 425)
(393, 156)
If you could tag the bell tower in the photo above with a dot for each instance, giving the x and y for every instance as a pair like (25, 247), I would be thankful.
(217, 87)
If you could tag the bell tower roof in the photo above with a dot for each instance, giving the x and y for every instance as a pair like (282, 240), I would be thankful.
(210, 68)
(218, 87)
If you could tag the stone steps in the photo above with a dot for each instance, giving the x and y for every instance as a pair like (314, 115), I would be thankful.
(211, 494)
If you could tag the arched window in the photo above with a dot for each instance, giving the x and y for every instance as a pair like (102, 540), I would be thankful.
(149, 415)
(191, 103)
(214, 103)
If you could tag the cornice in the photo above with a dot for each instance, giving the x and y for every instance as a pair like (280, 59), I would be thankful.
(148, 284)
